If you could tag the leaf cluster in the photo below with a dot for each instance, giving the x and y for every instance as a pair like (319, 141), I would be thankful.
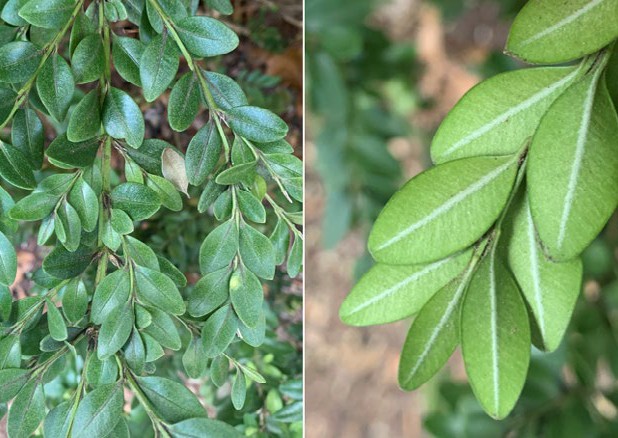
(484, 248)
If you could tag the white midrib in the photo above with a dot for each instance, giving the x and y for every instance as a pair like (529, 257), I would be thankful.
(522, 106)
(391, 290)
(565, 21)
(534, 270)
(452, 305)
(449, 204)
(577, 160)
(494, 333)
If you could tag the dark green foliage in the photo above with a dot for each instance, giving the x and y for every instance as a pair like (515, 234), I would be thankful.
(111, 308)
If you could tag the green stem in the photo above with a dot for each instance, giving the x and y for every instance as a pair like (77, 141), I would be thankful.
(210, 101)
(106, 169)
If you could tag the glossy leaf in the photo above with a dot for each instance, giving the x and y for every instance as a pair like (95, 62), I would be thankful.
(205, 36)
(158, 66)
(184, 102)
(15, 167)
(171, 400)
(52, 14)
(122, 118)
(256, 124)
(203, 154)
(18, 61)
(139, 201)
(247, 296)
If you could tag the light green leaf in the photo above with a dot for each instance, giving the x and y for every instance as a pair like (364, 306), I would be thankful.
(219, 247)
(257, 252)
(433, 336)
(55, 322)
(101, 372)
(247, 296)
(170, 198)
(184, 103)
(139, 201)
(566, 166)
(86, 203)
(49, 14)
(203, 154)
(257, 124)
(495, 337)
(239, 390)
(27, 410)
(295, 259)
(237, 174)
(194, 360)
(417, 224)
(158, 66)
(18, 61)
(225, 91)
(71, 225)
(75, 301)
(251, 207)
(11, 382)
(171, 400)
(209, 293)
(222, 6)
(512, 105)
(389, 293)
(112, 292)
(163, 330)
(203, 428)
(122, 118)
(551, 289)
(219, 331)
(158, 290)
(135, 352)
(553, 31)
(99, 411)
(10, 352)
(219, 370)
(115, 330)
(205, 36)
(58, 421)
(121, 222)
(280, 238)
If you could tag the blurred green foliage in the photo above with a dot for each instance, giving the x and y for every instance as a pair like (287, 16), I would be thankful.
(359, 88)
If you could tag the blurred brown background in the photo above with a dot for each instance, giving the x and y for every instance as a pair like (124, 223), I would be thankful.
(351, 373)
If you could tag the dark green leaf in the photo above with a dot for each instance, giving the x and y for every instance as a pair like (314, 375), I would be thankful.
(85, 120)
(256, 124)
(122, 118)
(139, 201)
(10, 352)
(75, 301)
(158, 290)
(203, 153)
(115, 330)
(251, 207)
(99, 411)
(27, 410)
(158, 66)
(209, 293)
(111, 293)
(86, 203)
(219, 369)
(15, 167)
(184, 103)
(257, 252)
(219, 331)
(88, 60)
(170, 198)
(11, 382)
(27, 136)
(225, 91)
(64, 264)
(56, 86)
(8, 261)
(171, 400)
(239, 390)
(101, 372)
(18, 61)
(219, 247)
(65, 153)
(237, 174)
(203, 428)
(247, 296)
(126, 54)
(194, 360)
(51, 14)
(55, 321)
(135, 352)
(205, 36)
